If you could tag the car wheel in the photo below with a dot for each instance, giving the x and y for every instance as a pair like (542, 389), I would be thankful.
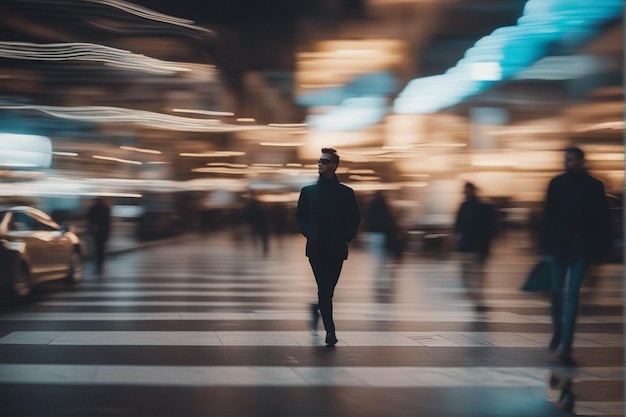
(21, 282)
(75, 274)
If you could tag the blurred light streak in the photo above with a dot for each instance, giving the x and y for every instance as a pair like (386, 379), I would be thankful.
(65, 153)
(107, 194)
(514, 48)
(216, 170)
(617, 125)
(132, 148)
(88, 52)
(224, 164)
(246, 119)
(281, 144)
(106, 114)
(216, 154)
(288, 125)
(375, 186)
(364, 177)
(110, 158)
(279, 198)
(605, 157)
(207, 112)
(150, 14)
(362, 171)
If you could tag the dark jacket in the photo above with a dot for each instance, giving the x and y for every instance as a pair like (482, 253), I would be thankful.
(99, 220)
(328, 216)
(475, 226)
(576, 221)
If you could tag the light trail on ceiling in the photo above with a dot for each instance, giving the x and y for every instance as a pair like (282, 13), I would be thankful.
(105, 114)
(151, 14)
(80, 51)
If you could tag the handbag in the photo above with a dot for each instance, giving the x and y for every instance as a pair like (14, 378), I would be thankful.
(539, 278)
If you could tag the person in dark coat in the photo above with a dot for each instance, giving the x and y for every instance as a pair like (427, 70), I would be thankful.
(328, 216)
(99, 226)
(474, 228)
(575, 232)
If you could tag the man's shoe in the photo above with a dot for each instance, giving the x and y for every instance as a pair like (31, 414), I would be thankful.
(315, 318)
(331, 339)
(567, 360)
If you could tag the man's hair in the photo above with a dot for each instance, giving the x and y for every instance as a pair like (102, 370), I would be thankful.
(576, 151)
(470, 185)
(334, 157)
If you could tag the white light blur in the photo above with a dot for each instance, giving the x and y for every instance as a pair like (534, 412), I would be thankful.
(217, 154)
(227, 165)
(605, 157)
(288, 125)
(207, 112)
(217, 170)
(106, 114)
(80, 51)
(151, 14)
(486, 71)
(25, 151)
(120, 160)
(65, 153)
(106, 194)
(132, 148)
(282, 144)
(617, 125)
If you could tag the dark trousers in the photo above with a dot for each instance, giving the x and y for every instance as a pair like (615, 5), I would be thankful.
(99, 246)
(326, 273)
(564, 297)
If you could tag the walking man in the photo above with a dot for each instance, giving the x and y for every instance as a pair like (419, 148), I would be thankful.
(328, 216)
(575, 232)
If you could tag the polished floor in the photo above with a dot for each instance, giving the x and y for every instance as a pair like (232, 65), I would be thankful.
(209, 326)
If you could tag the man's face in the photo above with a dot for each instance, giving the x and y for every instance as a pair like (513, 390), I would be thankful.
(325, 165)
(573, 163)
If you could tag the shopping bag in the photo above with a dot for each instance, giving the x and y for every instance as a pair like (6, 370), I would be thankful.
(539, 278)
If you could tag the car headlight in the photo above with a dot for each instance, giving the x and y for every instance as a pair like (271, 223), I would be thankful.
(15, 246)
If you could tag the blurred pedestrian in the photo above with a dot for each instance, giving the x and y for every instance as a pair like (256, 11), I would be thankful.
(328, 216)
(257, 218)
(575, 232)
(381, 230)
(474, 228)
(99, 227)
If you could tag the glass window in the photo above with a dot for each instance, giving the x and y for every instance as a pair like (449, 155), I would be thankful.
(24, 222)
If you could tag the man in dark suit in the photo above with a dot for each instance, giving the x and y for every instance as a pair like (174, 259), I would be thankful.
(575, 232)
(328, 216)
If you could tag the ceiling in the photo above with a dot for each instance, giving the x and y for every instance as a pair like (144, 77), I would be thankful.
(221, 42)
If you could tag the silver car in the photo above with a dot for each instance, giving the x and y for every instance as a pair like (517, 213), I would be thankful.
(34, 249)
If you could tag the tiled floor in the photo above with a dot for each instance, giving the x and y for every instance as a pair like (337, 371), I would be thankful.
(210, 327)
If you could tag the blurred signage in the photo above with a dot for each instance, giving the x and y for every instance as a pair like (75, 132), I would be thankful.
(20, 151)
